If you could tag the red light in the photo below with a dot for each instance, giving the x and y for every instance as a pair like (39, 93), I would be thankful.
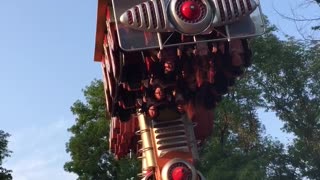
(190, 10)
(179, 173)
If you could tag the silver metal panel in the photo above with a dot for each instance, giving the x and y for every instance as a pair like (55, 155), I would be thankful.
(149, 15)
(135, 40)
(157, 13)
(239, 7)
(143, 25)
(224, 10)
(232, 8)
(190, 28)
(245, 5)
(163, 135)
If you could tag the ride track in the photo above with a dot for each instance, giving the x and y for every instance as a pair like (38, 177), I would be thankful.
(166, 64)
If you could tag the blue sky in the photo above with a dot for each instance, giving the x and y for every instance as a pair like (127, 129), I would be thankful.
(46, 58)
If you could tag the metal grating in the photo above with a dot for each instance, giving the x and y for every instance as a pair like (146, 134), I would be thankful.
(153, 15)
(130, 17)
(222, 15)
(145, 14)
(249, 5)
(235, 7)
(243, 9)
(170, 136)
(159, 4)
(137, 15)
(229, 13)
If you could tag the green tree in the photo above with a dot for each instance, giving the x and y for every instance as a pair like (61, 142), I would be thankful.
(4, 153)
(88, 145)
(288, 73)
(237, 149)
(128, 168)
(284, 78)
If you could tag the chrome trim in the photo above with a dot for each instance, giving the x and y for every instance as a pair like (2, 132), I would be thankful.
(147, 148)
(217, 19)
(156, 11)
(231, 6)
(165, 4)
(225, 11)
(172, 21)
(124, 17)
(142, 18)
(119, 9)
(239, 7)
(149, 19)
(171, 138)
(245, 5)
(192, 139)
(144, 164)
(190, 28)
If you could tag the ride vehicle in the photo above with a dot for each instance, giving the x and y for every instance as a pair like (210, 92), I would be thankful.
(166, 64)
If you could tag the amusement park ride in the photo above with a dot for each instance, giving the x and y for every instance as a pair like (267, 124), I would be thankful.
(166, 64)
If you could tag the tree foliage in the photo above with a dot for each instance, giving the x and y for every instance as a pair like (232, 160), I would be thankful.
(288, 73)
(88, 145)
(4, 153)
(284, 78)
(238, 149)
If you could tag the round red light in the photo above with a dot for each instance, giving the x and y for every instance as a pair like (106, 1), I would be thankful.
(179, 173)
(190, 10)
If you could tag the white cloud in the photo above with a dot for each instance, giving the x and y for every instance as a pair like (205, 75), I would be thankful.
(39, 152)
